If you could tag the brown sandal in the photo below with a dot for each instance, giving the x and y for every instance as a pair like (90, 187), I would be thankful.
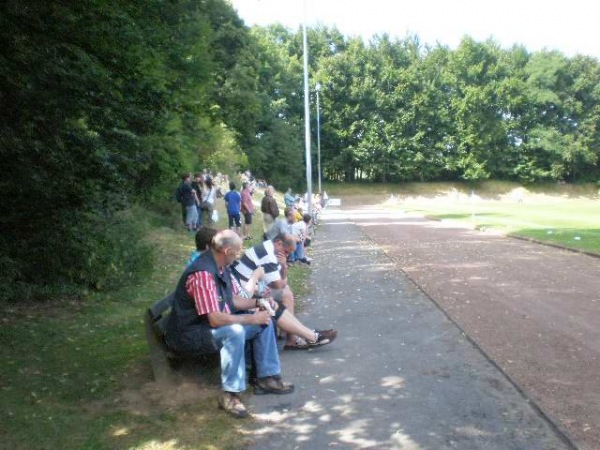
(300, 344)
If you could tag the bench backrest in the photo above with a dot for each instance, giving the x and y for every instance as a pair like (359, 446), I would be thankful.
(159, 313)
(162, 357)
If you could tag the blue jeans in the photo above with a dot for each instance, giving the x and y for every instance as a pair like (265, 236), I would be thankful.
(232, 340)
(299, 252)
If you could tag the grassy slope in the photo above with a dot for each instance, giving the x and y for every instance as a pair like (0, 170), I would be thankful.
(67, 367)
(76, 375)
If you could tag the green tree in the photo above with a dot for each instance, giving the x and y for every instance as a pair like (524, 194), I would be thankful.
(106, 103)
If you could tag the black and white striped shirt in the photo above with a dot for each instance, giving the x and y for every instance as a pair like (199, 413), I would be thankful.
(261, 255)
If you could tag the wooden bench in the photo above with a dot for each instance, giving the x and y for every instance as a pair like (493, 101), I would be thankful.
(167, 365)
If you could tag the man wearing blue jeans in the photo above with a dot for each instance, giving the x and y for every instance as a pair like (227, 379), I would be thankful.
(206, 318)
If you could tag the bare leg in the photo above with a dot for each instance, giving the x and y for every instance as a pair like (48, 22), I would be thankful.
(288, 301)
(293, 327)
(286, 297)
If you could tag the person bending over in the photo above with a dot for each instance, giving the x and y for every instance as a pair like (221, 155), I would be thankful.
(271, 255)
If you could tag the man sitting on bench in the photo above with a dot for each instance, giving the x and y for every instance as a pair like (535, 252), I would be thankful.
(204, 320)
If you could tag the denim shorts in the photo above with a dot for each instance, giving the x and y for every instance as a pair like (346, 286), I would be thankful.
(191, 215)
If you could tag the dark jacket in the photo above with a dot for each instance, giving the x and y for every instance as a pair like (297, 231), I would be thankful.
(188, 332)
(187, 195)
(269, 205)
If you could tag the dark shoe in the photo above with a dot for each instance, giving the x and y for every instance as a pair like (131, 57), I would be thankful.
(231, 403)
(300, 344)
(272, 385)
(305, 261)
(324, 337)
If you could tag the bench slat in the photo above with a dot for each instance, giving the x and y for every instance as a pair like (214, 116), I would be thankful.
(159, 308)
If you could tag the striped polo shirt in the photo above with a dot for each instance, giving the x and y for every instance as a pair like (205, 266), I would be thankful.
(261, 255)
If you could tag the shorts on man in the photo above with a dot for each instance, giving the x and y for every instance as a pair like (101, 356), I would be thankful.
(234, 219)
(191, 215)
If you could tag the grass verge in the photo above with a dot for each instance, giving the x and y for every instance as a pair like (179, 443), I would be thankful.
(76, 374)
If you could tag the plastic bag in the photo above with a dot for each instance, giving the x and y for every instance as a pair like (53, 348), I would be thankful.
(215, 216)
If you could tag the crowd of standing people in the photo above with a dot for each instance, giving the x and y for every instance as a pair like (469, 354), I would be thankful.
(197, 196)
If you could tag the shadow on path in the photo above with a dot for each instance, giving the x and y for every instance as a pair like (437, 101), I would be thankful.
(401, 375)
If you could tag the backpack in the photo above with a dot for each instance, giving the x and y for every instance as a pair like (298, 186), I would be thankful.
(178, 194)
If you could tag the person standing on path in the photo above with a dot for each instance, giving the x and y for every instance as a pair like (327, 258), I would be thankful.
(189, 200)
(197, 185)
(289, 198)
(208, 202)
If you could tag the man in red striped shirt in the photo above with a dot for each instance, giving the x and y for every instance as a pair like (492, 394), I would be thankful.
(208, 315)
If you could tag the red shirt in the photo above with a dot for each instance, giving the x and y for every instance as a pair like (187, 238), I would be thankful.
(202, 288)
(247, 205)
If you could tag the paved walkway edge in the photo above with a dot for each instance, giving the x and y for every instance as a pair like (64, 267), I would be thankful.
(551, 422)
(402, 374)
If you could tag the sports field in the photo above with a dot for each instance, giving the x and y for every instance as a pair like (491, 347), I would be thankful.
(564, 215)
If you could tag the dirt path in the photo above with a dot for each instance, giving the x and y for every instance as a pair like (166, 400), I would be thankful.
(533, 309)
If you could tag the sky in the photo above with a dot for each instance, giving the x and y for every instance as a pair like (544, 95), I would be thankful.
(567, 26)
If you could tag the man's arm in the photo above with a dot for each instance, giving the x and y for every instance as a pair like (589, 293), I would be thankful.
(251, 285)
(219, 319)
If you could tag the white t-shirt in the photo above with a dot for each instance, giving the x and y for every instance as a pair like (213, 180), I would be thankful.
(299, 229)
(210, 196)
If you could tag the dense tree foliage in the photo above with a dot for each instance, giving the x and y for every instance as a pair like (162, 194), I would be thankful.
(104, 103)
(395, 110)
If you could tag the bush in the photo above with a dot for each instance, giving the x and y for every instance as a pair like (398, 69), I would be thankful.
(114, 250)
(98, 251)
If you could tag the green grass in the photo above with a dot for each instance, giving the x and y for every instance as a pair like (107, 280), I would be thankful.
(76, 374)
(67, 368)
(569, 222)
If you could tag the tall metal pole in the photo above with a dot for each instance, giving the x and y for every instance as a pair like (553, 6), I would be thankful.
(318, 88)
(307, 118)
